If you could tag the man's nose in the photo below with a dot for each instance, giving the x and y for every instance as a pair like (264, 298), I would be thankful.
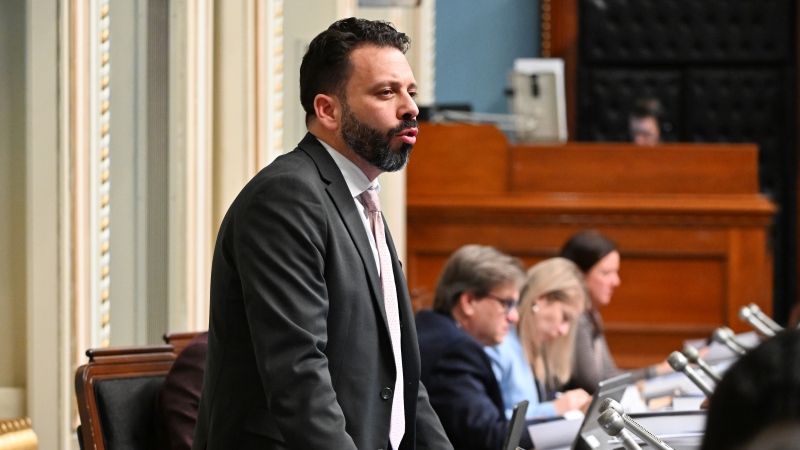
(409, 109)
(513, 315)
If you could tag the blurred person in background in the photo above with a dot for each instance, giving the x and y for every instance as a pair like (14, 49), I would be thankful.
(474, 307)
(598, 258)
(535, 360)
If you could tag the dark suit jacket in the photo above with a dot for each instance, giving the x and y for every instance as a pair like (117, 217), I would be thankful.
(299, 351)
(176, 405)
(461, 384)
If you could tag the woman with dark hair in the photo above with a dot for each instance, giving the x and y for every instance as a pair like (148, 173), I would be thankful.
(760, 391)
(598, 258)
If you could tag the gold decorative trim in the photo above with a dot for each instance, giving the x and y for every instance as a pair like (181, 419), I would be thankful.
(18, 434)
(101, 319)
(269, 57)
(90, 138)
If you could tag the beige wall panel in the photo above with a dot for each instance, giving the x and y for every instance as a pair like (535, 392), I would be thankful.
(12, 194)
(47, 372)
(299, 27)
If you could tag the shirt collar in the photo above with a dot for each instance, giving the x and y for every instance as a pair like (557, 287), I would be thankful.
(356, 181)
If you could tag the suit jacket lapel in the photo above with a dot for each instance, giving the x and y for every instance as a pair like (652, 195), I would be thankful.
(340, 195)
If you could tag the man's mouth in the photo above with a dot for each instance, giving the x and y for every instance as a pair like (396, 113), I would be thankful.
(409, 135)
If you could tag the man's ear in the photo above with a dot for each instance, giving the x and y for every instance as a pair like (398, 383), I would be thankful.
(466, 303)
(328, 110)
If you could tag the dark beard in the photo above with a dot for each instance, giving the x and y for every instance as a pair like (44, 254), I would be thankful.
(372, 145)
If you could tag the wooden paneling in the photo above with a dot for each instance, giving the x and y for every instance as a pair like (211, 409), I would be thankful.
(668, 290)
(690, 224)
(486, 150)
(671, 169)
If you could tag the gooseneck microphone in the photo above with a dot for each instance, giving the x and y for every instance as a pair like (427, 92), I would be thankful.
(765, 318)
(679, 363)
(724, 335)
(747, 315)
(611, 422)
(693, 356)
(634, 427)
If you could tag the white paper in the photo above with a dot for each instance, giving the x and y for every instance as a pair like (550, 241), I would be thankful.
(555, 434)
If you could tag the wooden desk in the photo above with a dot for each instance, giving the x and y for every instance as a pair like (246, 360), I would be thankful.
(690, 223)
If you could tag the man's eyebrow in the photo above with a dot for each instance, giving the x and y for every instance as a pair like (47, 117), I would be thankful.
(395, 83)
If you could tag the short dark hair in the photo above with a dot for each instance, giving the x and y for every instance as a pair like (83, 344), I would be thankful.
(647, 107)
(477, 269)
(326, 65)
(761, 389)
(651, 107)
(586, 248)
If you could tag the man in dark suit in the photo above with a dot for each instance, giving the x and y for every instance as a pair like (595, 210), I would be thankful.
(300, 352)
(475, 303)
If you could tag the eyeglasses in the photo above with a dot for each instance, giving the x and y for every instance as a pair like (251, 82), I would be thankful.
(508, 304)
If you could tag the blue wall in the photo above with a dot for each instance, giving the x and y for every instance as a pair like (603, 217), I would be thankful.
(476, 44)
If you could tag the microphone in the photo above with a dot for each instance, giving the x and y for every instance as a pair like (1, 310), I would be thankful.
(693, 356)
(641, 432)
(765, 318)
(724, 335)
(679, 363)
(747, 315)
(611, 422)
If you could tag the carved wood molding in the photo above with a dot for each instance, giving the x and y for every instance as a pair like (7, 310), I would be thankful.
(607, 220)
(546, 27)
(559, 39)
(625, 212)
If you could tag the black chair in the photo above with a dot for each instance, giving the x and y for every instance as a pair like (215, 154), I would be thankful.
(116, 393)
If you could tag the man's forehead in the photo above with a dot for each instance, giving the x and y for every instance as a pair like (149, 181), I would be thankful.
(377, 66)
(374, 58)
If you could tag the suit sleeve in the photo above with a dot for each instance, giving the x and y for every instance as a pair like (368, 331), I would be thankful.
(430, 434)
(280, 241)
(458, 393)
(586, 373)
(593, 360)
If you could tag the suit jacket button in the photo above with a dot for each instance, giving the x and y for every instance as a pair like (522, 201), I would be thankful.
(386, 393)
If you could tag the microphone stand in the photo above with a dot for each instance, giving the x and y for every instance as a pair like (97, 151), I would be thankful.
(680, 364)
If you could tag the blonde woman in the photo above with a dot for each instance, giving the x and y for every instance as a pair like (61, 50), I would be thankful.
(535, 360)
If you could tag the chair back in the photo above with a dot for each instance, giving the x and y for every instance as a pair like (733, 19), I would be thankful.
(117, 392)
(180, 340)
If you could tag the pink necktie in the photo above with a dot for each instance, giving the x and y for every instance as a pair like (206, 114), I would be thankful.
(373, 205)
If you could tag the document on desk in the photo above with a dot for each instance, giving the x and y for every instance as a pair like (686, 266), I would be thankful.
(555, 434)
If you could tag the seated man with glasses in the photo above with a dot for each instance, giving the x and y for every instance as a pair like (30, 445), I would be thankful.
(474, 306)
